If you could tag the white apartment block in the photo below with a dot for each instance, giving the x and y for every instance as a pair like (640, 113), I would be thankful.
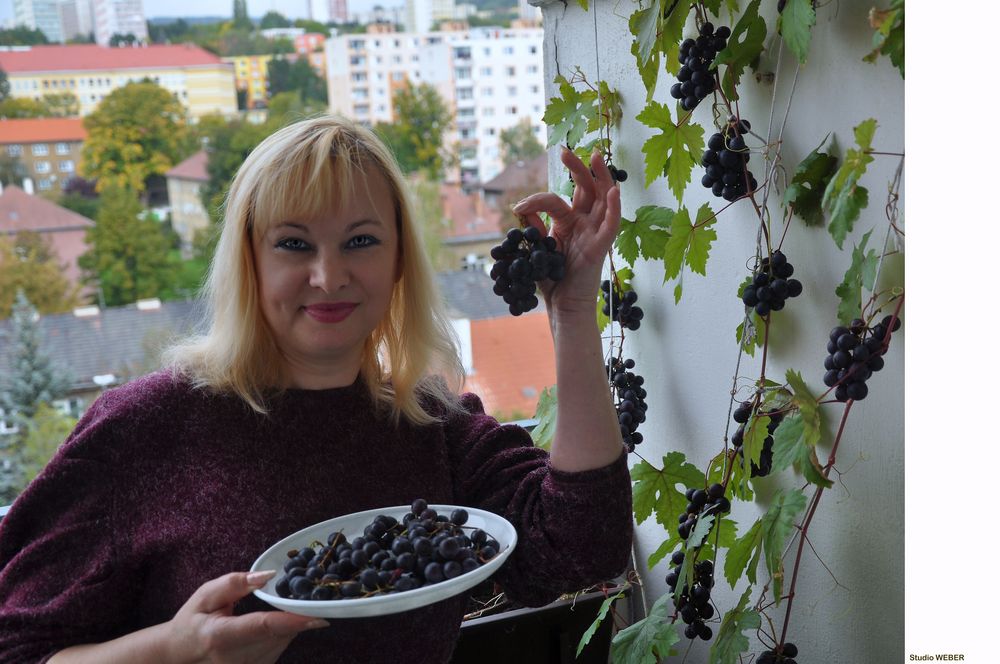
(43, 15)
(327, 11)
(491, 77)
(421, 14)
(121, 17)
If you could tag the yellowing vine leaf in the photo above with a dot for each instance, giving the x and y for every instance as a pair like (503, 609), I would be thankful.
(674, 151)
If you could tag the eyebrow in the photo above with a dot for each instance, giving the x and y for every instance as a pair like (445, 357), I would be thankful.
(350, 227)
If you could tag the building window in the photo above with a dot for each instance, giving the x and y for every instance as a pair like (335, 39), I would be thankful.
(463, 72)
(511, 110)
(532, 69)
(14, 150)
(512, 90)
(66, 166)
(7, 422)
(44, 184)
(40, 149)
(42, 167)
(398, 76)
(486, 71)
(487, 111)
(511, 71)
(356, 44)
(508, 50)
(533, 50)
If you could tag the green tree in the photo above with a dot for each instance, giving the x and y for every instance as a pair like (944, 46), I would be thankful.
(417, 136)
(4, 85)
(22, 35)
(129, 258)
(119, 39)
(28, 265)
(312, 26)
(519, 143)
(42, 436)
(21, 107)
(12, 170)
(426, 196)
(273, 19)
(241, 20)
(139, 130)
(283, 75)
(62, 105)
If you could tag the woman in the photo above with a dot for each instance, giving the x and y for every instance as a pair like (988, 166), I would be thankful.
(309, 398)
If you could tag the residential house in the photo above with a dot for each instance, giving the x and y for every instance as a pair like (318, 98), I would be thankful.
(184, 183)
(472, 227)
(516, 181)
(250, 72)
(47, 151)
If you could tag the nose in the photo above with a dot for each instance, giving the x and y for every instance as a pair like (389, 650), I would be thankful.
(329, 272)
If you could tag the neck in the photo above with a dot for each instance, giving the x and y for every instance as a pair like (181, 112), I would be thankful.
(311, 375)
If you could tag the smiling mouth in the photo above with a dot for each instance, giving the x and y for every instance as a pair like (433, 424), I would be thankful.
(330, 313)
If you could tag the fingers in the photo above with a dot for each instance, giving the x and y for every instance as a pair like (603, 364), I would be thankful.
(222, 592)
(608, 229)
(584, 195)
(551, 204)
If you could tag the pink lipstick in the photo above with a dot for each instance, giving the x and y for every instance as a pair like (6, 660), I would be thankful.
(330, 312)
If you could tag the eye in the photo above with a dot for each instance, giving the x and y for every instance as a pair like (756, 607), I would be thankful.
(360, 241)
(292, 244)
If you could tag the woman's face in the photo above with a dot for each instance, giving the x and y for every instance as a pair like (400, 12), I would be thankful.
(326, 283)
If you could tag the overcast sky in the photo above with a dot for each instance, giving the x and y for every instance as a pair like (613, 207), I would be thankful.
(290, 8)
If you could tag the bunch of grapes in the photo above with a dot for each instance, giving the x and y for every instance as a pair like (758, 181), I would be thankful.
(695, 601)
(770, 285)
(698, 500)
(622, 307)
(786, 655)
(725, 163)
(630, 404)
(391, 556)
(522, 259)
(742, 414)
(696, 80)
(854, 357)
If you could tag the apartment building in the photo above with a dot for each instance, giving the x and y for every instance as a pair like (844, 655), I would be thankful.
(43, 15)
(491, 78)
(46, 151)
(250, 72)
(310, 45)
(120, 17)
(201, 81)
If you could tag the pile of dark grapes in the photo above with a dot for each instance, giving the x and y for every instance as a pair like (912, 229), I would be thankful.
(695, 602)
(855, 353)
(631, 405)
(391, 557)
(770, 285)
(622, 307)
(618, 174)
(786, 656)
(698, 499)
(522, 259)
(696, 80)
(742, 414)
(725, 163)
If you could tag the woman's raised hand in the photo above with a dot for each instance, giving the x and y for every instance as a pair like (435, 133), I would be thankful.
(205, 629)
(584, 232)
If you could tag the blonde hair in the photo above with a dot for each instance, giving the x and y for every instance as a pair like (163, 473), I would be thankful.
(298, 172)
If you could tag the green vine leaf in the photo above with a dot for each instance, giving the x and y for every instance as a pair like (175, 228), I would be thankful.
(843, 197)
(743, 556)
(649, 640)
(753, 441)
(666, 547)
(672, 32)
(791, 449)
(646, 236)
(689, 244)
(795, 24)
(776, 525)
(674, 151)
(583, 4)
(861, 274)
(649, 68)
(808, 406)
(805, 194)
(731, 642)
(601, 615)
(755, 338)
(723, 535)
(545, 413)
(656, 490)
(889, 34)
(569, 116)
(744, 46)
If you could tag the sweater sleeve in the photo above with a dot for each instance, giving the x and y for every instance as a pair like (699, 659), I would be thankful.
(574, 529)
(60, 581)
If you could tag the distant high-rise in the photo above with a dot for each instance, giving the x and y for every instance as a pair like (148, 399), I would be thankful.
(120, 17)
(328, 11)
(41, 14)
(421, 14)
(84, 17)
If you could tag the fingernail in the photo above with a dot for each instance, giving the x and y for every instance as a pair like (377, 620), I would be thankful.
(260, 578)
(317, 624)
(520, 206)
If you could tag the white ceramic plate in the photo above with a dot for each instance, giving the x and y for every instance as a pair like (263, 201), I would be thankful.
(353, 526)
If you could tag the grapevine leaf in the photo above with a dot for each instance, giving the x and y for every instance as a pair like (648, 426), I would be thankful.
(609, 103)
(672, 32)
(569, 115)
(647, 235)
(701, 529)
(744, 46)
(649, 69)
(545, 413)
(849, 290)
(713, 6)
(889, 34)
(647, 25)
(685, 575)
(755, 336)
(805, 194)
(731, 642)
(688, 244)
(701, 240)
(724, 530)
(583, 4)
(808, 407)
(656, 490)
(665, 549)
(740, 554)
(672, 152)
(843, 197)
(791, 449)
(795, 25)
(753, 441)
(601, 615)
(776, 525)
(636, 643)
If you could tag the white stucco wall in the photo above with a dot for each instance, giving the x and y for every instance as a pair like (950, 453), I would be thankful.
(688, 354)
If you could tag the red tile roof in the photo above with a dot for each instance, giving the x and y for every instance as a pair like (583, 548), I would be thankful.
(468, 215)
(521, 175)
(192, 168)
(513, 360)
(41, 130)
(89, 57)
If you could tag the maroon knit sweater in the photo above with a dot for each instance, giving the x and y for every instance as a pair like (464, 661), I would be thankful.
(162, 487)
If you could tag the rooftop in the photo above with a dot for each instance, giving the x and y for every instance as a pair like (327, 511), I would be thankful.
(194, 167)
(20, 211)
(532, 175)
(91, 57)
(41, 130)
